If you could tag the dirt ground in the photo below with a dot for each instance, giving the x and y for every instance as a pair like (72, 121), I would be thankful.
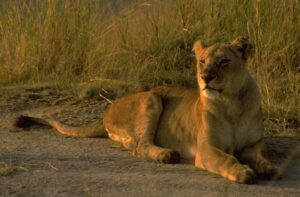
(45, 163)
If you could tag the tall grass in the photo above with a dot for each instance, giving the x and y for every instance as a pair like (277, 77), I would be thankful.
(150, 42)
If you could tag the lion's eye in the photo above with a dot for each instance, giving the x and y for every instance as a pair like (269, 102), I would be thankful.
(224, 62)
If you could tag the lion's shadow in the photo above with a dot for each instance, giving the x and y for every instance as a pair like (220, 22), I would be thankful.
(285, 152)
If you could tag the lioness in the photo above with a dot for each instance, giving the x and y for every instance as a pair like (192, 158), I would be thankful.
(219, 124)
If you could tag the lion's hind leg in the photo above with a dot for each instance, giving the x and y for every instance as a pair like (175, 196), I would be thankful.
(148, 120)
(150, 151)
(133, 121)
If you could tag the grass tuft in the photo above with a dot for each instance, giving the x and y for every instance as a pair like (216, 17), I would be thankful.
(7, 170)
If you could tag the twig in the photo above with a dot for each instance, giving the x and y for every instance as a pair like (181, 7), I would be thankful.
(105, 98)
(49, 164)
(21, 168)
(106, 92)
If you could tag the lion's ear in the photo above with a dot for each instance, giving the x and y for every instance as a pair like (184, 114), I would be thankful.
(198, 47)
(242, 46)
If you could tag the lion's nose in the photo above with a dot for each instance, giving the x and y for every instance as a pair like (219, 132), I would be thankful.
(208, 77)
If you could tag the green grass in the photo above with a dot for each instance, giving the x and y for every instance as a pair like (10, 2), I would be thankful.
(149, 42)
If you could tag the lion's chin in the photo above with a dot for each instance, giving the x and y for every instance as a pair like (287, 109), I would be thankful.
(210, 94)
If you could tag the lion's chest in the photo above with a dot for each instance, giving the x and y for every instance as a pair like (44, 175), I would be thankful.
(241, 133)
(244, 128)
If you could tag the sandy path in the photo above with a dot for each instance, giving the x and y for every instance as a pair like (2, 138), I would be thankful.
(54, 165)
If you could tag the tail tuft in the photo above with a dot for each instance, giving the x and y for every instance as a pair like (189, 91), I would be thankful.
(24, 122)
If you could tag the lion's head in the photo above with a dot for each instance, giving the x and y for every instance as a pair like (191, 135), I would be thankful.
(221, 67)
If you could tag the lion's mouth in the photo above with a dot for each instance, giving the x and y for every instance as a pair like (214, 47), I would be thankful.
(214, 89)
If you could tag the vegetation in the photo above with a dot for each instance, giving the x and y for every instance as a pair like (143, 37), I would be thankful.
(6, 170)
(149, 42)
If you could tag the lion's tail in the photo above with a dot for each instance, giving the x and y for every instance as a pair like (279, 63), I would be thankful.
(94, 130)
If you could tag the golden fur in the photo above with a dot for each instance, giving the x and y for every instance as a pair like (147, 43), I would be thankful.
(218, 125)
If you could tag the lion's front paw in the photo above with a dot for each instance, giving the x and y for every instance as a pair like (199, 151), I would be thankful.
(243, 174)
(168, 156)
